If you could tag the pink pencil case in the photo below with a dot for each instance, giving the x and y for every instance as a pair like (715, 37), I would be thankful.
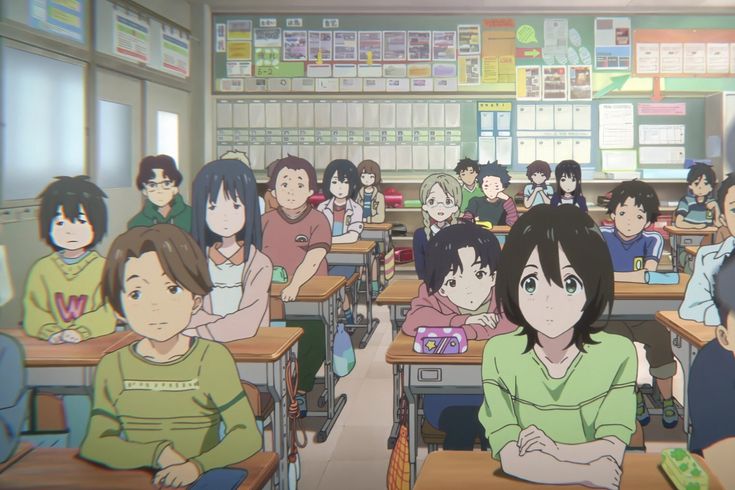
(440, 340)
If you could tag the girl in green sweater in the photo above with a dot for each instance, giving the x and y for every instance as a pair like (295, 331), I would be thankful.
(559, 394)
(159, 402)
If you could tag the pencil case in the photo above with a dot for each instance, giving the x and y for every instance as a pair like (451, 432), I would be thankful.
(279, 275)
(683, 470)
(662, 278)
(220, 479)
(412, 203)
(440, 340)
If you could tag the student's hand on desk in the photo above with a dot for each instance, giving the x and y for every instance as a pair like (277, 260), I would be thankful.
(603, 473)
(534, 439)
(71, 336)
(289, 293)
(179, 475)
(56, 338)
(169, 457)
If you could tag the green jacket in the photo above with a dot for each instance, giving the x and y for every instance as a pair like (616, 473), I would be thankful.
(180, 215)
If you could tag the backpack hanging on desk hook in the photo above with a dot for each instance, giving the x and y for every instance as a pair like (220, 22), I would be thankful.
(343, 352)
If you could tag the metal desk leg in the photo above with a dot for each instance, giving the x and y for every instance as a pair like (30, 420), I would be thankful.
(412, 425)
(280, 429)
(683, 352)
(675, 253)
(396, 383)
(371, 322)
(334, 405)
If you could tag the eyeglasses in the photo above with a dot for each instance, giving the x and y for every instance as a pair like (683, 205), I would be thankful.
(152, 185)
(437, 204)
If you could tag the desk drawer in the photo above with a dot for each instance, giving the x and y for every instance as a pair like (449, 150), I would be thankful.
(435, 375)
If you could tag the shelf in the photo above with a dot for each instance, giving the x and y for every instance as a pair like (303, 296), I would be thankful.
(402, 238)
(405, 267)
(593, 208)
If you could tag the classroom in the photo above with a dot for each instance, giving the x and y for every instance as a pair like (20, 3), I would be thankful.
(294, 244)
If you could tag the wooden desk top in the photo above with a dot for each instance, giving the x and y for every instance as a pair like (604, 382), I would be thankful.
(401, 351)
(632, 290)
(268, 345)
(22, 449)
(477, 469)
(500, 229)
(402, 291)
(675, 230)
(39, 353)
(378, 226)
(697, 334)
(316, 290)
(359, 247)
(61, 468)
(692, 250)
(399, 292)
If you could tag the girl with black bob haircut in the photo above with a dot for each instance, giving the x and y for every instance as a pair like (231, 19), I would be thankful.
(569, 185)
(559, 402)
(346, 172)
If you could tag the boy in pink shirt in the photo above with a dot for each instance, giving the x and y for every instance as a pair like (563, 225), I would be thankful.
(458, 291)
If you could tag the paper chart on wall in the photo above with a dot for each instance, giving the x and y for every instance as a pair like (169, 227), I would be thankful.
(612, 43)
(444, 45)
(526, 117)
(469, 39)
(320, 45)
(672, 57)
(345, 45)
(486, 149)
(582, 117)
(647, 58)
(563, 117)
(545, 117)
(695, 58)
(668, 155)
(504, 149)
(419, 45)
(718, 57)
(661, 134)
(556, 40)
(394, 45)
(616, 129)
(563, 149)
(528, 82)
(370, 45)
(294, 45)
(526, 150)
(619, 160)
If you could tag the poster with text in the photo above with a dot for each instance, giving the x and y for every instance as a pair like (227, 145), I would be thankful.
(469, 70)
(554, 82)
(612, 43)
(469, 39)
(345, 45)
(131, 37)
(62, 17)
(419, 45)
(370, 45)
(294, 45)
(394, 45)
(175, 52)
(268, 37)
(320, 45)
(528, 82)
(580, 83)
(444, 45)
(239, 30)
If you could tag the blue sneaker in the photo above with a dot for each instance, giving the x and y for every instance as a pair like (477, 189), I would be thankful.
(670, 415)
(301, 402)
(641, 410)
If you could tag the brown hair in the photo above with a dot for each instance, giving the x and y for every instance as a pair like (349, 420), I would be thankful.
(293, 163)
(370, 167)
(538, 166)
(165, 163)
(180, 256)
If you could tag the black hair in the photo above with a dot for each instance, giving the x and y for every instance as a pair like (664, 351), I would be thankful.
(346, 172)
(723, 188)
(152, 162)
(494, 170)
(700, 169)
(238, 181)
(725, 289)
(73, 193)
(546, 228)
(442, 254)
(643, 194)
(466, 164)
(569, 169)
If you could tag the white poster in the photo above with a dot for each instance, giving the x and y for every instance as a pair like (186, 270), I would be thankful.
(616, 126)
(672, 57)
(175, 52)
(131, 37)
(647, 58)
(695, 58)
(661, 134)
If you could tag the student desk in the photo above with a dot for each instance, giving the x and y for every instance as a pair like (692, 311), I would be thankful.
(464, 469)
(359, 253)
(62, 468)
(687, 338)
(379, 233)
(317, 300)
(692, 250)
(681, 237)
(634, 301)
(22, 449)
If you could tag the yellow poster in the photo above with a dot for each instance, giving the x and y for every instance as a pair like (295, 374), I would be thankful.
(507, 69)
(239, 50)
(490, 69)
(419, 71)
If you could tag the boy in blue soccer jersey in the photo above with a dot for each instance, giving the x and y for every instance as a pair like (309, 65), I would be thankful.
(633, 206)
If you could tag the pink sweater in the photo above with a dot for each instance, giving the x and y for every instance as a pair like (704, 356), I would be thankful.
(435, 310)
(253, 312)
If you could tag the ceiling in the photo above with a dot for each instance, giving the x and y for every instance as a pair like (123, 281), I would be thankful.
(471, 6)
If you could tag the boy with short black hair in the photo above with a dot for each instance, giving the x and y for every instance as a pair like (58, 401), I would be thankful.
(467, 170)
(495, 206)
(713, 373)
(634, 206)
(159, 180)
(699, 303)
(698, 209)
(63, 301)
(159, 402)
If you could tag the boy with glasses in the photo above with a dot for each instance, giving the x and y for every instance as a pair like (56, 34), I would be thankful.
(159, 180)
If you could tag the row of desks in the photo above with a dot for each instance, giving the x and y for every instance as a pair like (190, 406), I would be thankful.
(62, 468)
(428, 374)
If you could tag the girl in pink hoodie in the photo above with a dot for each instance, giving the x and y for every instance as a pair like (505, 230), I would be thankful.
(458, 291)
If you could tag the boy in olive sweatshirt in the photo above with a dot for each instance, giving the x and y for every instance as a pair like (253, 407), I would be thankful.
(159, 402)
(62, 300)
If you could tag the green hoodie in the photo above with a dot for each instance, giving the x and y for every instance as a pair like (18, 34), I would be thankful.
(180, 215)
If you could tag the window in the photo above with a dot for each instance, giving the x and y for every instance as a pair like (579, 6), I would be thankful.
(43, 121)
(114, 144)
(168, 135)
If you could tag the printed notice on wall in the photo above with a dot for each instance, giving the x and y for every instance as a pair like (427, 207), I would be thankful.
(175, 52)
(63, 17)
(131, 37)
(616, 126)
(612, 43)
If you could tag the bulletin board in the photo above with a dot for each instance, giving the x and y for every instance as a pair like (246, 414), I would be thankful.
(433, 53)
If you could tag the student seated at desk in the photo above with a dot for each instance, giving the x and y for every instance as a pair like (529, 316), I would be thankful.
(226, 225)
(711, 396)
(339, 185)
(698, 209)
(633, 206)
(159, 402)
(441, 198)
(699, 299)
(495, 206)
(569, 185)
(62, 301)
(13, 396)
(458, 292)
(297, 237)
(369, 195)
(559, 394)
(467, 170)
(538, 191)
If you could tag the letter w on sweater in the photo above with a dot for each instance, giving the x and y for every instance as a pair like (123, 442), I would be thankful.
(72, 309)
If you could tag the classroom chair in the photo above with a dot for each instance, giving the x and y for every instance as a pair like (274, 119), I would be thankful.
(261, 403)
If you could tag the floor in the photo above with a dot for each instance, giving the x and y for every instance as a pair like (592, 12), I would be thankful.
(355, 455)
